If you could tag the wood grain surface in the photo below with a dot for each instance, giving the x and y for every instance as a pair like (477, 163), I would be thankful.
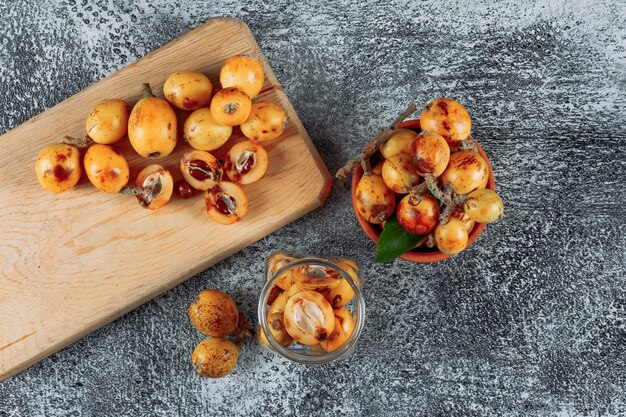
(71, 262)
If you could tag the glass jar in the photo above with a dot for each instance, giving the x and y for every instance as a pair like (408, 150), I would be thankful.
(282, 263)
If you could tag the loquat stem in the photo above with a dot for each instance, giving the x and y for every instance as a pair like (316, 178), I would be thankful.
(469, 144)
(83, 142)
(345, 171)
(147, 90)
(416, 192)
(455, 201)
(433, 187)
(444, 217)
(243, 331)
(447, 196)
(367, 167)
(430, 240)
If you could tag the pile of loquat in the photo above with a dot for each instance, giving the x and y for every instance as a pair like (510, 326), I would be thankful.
(152, 130)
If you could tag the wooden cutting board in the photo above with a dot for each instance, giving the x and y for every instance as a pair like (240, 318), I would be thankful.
(72, 262)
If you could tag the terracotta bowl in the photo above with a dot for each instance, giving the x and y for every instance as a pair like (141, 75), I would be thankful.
(421, 254)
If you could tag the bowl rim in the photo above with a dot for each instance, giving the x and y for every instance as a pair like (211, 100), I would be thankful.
(419, 257)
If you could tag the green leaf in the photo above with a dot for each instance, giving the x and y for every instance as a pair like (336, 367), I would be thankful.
(394, 241)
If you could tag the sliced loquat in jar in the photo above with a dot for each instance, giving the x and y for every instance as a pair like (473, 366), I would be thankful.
(343, 293)
(277, 261)
(201, 169)
(278, 306)
(106, 168)
(273, 295)
(344, 326)
(246, 162)
(260, 334)
(296, 288)
(283, 337)
(58, 167)
(226, 203)
(267, 121)
(275, 320)
(349, 266)
(276, 324)
(309, 317)
(316, 276)
(285, 281)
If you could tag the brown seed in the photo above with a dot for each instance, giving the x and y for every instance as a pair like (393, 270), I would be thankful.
(183, 189)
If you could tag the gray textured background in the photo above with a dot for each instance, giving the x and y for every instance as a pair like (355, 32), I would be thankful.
(528, 321)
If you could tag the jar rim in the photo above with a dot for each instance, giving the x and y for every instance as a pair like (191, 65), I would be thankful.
(323, 356)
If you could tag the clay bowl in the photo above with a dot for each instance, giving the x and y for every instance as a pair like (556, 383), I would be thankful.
(421, 254)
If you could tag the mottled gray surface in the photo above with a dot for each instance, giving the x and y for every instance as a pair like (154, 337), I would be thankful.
(528, 321)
